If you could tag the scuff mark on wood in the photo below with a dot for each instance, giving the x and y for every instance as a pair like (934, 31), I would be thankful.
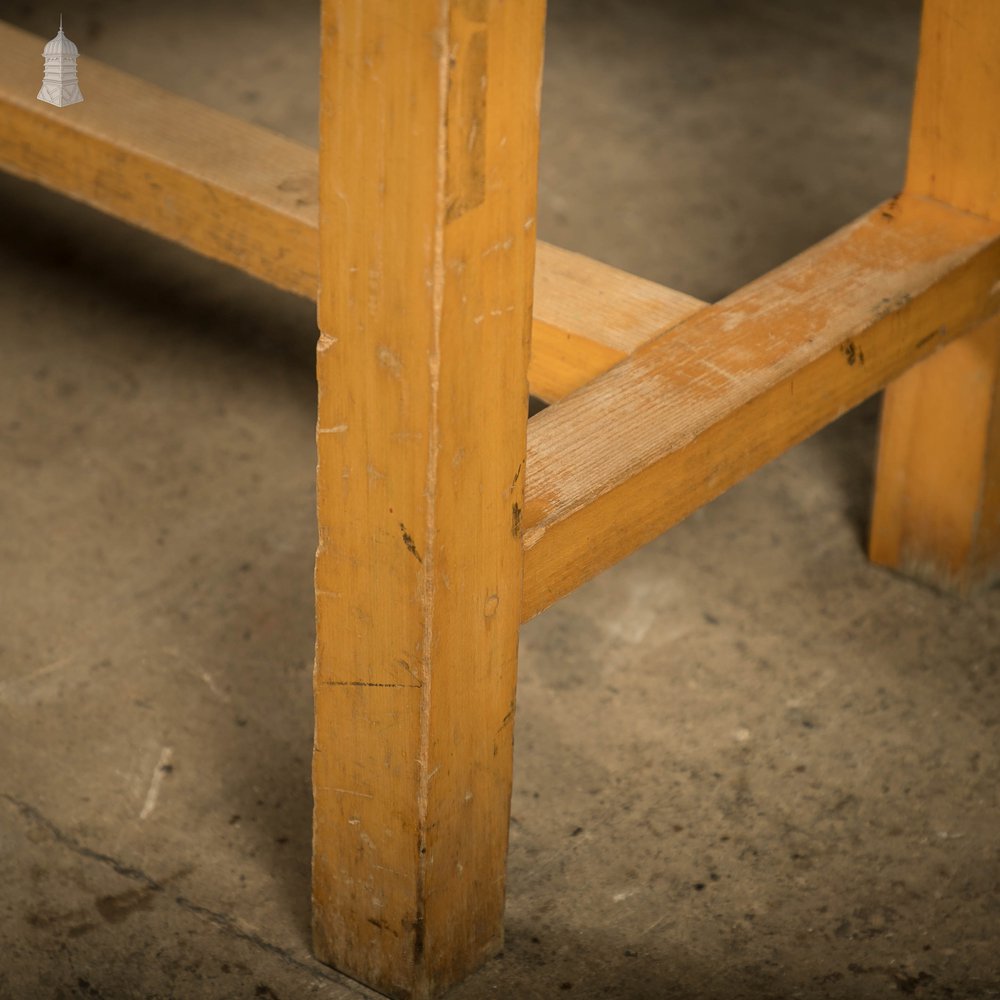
(515, 520)
(346, 791)
(514, 481)
(389, 360)
(409, 543)
(887, 306)
(889, 208)
(941, 331)
(406, 666)
(853, 353)
(466, 114)
(507, 719)
(418, 939)
(367, 684)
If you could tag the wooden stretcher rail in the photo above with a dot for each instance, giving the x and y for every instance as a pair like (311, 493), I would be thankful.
(247, 196)
(221, 186)
(697, 409)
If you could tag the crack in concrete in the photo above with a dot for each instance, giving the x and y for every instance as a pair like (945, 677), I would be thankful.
(222, 921)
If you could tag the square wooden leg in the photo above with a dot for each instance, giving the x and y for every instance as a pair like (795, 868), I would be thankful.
(937, 495)
(429, 133)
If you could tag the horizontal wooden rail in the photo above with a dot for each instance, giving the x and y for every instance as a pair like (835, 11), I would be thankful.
(247, 196)
(221, 186)
(588, 316)
(714, 393)
(699, 408)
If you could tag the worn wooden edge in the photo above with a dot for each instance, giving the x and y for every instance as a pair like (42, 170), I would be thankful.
(697, 409)
(247, 196)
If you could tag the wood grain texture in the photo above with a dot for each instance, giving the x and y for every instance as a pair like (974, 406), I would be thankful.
(247, 196)
(954, 136)
(429, 132)
(694, 411)
(602, 303)
(230, 190)
(561, 361)
(936, 513)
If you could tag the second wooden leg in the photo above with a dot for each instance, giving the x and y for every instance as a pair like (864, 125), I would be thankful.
(937, 495)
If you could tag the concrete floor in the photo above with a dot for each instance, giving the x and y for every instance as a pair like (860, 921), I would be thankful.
(748, 763)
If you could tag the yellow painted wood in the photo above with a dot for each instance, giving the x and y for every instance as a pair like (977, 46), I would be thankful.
(602, 303)
(561, 361)
(937, 517)
(427, 186)
(936, 513)
(954, 135)
(247, 196)
(697, 409)
(228, 189)
(429, 131)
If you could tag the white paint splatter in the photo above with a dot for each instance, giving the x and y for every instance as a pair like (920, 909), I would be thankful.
(153, 793)
(213, 687)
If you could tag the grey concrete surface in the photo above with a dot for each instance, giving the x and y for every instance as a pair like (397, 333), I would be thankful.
(748, 764)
